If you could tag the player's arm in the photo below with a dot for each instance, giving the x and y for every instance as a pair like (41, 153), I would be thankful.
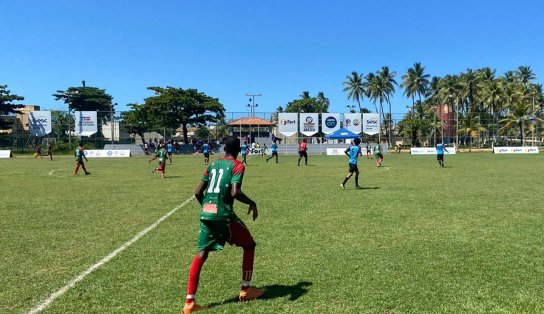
(83, 154)
(199, 191)
(445, 149)
(236, 192)
(150, 160)
(346, 152)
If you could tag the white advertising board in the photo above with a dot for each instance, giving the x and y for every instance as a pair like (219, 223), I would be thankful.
(112, 153)
(39, 122)
(430, 151)
(330, 122)
(309, 123)
(335, 151)
(516, 150)
(352, 122)
(86, 123)
(5, 153)
(287, 123)
(371, 123)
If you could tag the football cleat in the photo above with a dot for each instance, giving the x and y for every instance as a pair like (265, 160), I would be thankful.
(251, 293)
(192, 307)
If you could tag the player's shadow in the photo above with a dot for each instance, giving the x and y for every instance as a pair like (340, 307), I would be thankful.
(294, 292)
(368, 188)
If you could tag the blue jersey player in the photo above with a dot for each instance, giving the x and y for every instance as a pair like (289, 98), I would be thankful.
(274, 152)
(440, 148)
(206, 153)
(244, 151)
(353, 152)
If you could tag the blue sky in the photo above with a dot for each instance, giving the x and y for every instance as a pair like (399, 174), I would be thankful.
(277, 48)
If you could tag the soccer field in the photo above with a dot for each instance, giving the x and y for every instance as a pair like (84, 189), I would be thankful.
(416, 239)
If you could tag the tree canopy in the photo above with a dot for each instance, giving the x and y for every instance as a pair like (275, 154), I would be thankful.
(8, 106)
(86, 98)
(307, 103)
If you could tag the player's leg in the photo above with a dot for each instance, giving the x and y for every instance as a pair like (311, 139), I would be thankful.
(240, 236)
(77, 168)
(343, 185)
(84, 169)
(192, 282)
(276, 154)
(305, 158)
(357, 178)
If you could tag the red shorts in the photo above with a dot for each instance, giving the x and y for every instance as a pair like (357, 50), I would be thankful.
(240, 235)
(162, 167)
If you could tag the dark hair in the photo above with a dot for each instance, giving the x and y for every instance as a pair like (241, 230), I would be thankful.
(232, 145)
(357, 141)
(80, 143)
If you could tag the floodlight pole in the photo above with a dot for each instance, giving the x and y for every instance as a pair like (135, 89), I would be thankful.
(252, 104)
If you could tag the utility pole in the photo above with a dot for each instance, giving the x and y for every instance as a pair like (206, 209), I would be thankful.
(252, 103)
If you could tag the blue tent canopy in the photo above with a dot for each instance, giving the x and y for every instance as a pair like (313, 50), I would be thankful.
(342, 134)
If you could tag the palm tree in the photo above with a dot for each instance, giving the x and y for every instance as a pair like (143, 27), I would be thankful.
(355, 88)
(387, 83)
(525, 75)
(492, 95)
(523, 116)
(415, 82)
(368, 86)
(471, 126)
(322, 102)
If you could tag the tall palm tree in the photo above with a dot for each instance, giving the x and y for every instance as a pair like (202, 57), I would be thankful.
(522, 116)
(470, 126)
(355, 88)
(509, 77)
(322, 102)
(415, 82)
(492, 96)
(525, 75)
(469, 85)
(387, 83)
(369, 85)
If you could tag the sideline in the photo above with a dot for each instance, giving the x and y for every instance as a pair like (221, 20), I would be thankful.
(60, 292)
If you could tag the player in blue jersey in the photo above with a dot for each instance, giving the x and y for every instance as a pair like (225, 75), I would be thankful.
(206, 153)
(244, 151)
(169, 150)
(353, 152)
(274, 152)
(440, 148)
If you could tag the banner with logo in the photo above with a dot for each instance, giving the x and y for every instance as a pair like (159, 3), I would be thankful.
(516, 150)
(430, 151)
(330, 122)
(39, 122)
(5, 153)
(309, 123)
(352, 122)
(371, 123)
(110, 153)
(86, 123)
(287, 123)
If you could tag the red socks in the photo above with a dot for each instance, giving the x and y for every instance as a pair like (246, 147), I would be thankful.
(247, 268)
(194, 276)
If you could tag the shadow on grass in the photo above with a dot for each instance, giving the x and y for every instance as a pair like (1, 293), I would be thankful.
(369, 188)
(273, 292)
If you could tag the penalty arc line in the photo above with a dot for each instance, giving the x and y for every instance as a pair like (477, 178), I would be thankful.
(60, 292)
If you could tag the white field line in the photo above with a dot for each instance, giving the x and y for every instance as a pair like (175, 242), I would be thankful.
(45, 303)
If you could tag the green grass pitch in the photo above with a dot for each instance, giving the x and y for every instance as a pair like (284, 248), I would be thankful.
(467, 238)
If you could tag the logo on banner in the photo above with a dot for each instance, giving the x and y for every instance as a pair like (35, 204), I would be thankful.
(356, 122)
(309, 125)
(331, 122)
(287, 122)
(347, 122)
(39, 120)
(86, 121)
(371, 121)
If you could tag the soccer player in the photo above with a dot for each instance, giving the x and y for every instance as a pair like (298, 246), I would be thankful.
(245, 149)
(274, 152)
(378, 154)
(80, 154)
(302, 152)
(440, 148)
(50, 150)
(161, 155)
(206, 153)
(263, 150)
(169, 150)
(219, 187)
(353, 152)
(368, 151)
(38, 151)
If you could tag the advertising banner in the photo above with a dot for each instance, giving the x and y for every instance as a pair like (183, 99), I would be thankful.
(330, 122)
(352, 122)
(309, 123)
(113, 153)
(287, 123)
(39, 122)
(336, 151)
(516, 150)
(371, 123)
(86, 122)
(5, 153)
(430, 151)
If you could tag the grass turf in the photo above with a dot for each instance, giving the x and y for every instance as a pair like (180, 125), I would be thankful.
(416, 239)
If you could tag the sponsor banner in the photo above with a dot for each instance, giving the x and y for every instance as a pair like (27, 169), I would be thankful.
(516, 150)
(330, 122)
(352, 122)
(309, 123)
(256, 150)
(107, 153)
(287, 123)
(371, 123)
(430, 151)
(5, 153)
(86, 123)
(335, 151)
(39, 122)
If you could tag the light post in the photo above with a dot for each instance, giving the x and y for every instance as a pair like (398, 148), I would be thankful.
(533, 129)
(435, 107)
(351, 108)
(112, 123)
(252, 103)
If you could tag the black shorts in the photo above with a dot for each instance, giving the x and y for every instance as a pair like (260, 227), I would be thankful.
(302, 154)
(353, 168)
(274, 153)
(169, 154)
(206, 155)
(440, 157)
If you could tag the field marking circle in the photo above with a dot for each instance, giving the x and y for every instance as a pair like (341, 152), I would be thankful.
(52, 173)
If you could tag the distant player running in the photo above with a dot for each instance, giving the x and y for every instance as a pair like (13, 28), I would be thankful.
(206, 153)
(161, 156)
(245, 149)
(303, 152)
(378, 154)
(80, 154)
(440, 148)
(274, 152)
(38, 149)
(219, 187)
(169, 150)
(353, 152)
(368, 150)
(50, 150)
